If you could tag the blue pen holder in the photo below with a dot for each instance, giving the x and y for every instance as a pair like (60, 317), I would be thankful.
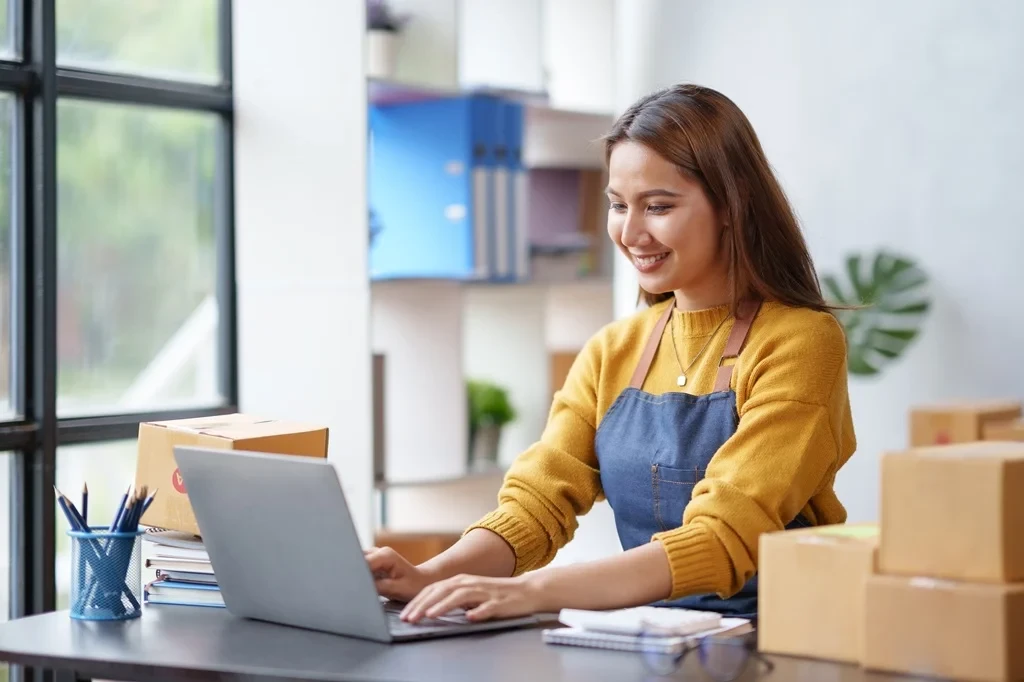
(106, 575)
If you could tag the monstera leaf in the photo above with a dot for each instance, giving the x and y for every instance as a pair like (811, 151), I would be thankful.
(885, 302)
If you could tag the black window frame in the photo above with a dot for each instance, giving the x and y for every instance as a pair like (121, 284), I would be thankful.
(37, 82)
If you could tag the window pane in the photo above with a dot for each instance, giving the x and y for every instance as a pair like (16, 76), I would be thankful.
(137, 314)
(8, 22)
(108, 468)
(6, 462)
(163, 38)
(7, 224)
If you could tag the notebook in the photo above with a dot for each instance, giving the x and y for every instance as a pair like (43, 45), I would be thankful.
(620, 630)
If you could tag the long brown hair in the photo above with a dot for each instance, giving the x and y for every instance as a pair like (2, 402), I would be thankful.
(711, 141)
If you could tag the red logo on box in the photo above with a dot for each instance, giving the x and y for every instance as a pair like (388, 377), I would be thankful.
(178, 482)
(942, 438)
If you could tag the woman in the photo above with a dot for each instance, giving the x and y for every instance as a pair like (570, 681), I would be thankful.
(717, 413)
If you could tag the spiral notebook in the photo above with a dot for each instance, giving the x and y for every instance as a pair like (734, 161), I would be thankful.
(574, 636)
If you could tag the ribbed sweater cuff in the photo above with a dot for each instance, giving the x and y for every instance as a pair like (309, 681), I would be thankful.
(698, 562)
(528, 545)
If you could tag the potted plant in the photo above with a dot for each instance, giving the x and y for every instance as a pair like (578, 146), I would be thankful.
(882, 306)
(489, 410)
(383, 26)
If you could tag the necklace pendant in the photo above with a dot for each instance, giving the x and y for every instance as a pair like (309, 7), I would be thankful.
(681, 380)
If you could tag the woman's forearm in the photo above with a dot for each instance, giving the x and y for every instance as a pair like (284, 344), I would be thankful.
(478, 552)
(634, 578)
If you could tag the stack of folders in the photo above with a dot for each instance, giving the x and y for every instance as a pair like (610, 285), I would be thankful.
(181, 576)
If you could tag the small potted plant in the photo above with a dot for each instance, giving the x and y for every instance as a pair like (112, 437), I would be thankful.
(383, 26)
(489, 411)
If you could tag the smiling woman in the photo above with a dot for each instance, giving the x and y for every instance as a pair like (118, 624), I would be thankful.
(717, 413)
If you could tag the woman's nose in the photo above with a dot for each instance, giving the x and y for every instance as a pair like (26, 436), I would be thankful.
(634, 232)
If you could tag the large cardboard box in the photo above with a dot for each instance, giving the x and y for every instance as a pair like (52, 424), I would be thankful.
(943, 629)
(811, 590)
(157, 469)
(954, 512)
(958, 423)
(1004, 431)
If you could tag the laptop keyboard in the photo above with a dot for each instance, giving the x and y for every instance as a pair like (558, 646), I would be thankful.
(396, 624)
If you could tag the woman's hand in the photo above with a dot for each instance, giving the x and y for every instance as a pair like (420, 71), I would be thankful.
(481, 597)
(394, 576)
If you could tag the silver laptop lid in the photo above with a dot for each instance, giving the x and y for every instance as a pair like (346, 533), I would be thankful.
(281, 540)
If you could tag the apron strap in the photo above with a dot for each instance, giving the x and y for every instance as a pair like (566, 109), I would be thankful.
(644, 364)
(745, 314)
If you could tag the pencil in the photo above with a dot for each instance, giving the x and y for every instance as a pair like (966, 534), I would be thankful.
(72, 510)
(85, 503)
(120, 510)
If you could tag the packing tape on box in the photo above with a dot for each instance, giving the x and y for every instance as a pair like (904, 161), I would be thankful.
(931, 583)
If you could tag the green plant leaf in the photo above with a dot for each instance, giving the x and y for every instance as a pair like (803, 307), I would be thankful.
(862, 292)
(831, 284)
(892, 301)
(910, 308)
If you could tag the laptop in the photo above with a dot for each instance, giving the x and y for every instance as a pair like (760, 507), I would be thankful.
(285, 550)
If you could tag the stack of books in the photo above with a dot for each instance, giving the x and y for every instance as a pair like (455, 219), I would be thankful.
(178, 573)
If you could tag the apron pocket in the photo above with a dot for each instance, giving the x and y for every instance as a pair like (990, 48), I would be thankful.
(671, 489)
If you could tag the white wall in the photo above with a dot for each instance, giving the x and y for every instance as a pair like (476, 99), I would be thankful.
(891, 124)
(503, 342)
(301, 225)
(417, 325)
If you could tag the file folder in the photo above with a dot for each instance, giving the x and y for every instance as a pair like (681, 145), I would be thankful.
(519, 235)
(430, 185)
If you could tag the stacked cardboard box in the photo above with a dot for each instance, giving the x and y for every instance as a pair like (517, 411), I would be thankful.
(157, 468)
(811, 590)
(948, 598)
(827, 592)
(960, 423)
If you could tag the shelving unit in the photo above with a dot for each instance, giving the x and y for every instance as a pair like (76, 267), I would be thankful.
(432, 333)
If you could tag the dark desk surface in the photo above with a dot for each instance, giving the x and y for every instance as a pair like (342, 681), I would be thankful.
(175, 642)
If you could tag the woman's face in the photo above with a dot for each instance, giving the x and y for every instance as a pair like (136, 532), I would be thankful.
(666, 226)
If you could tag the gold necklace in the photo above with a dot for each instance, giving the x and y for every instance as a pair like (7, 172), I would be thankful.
(681, 379)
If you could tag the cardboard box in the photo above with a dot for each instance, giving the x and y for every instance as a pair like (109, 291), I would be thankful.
(811, 590)
(156, 467)
(1004, 431)
(954, 512)
(958, 423)
(942, 629)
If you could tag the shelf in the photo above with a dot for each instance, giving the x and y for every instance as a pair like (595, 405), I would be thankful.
(388, 91)
(494, 472)
(585, 280)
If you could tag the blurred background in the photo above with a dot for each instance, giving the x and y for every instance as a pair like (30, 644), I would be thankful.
(388, 218)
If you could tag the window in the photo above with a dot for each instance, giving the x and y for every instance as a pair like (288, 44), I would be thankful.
(136, 270)
(6, 29)
(5, 547)
(7, 234)
(116, 255)
(176, 40)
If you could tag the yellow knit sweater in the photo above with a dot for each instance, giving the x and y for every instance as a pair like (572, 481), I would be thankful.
(795, 432)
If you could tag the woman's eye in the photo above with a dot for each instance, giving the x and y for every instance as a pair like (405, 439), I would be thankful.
(658, 209)
(617, 206)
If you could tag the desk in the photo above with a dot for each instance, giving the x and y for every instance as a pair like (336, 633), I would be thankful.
(176, 642)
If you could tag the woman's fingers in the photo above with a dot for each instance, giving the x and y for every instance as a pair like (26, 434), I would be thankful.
(460, 598)
(430, 596)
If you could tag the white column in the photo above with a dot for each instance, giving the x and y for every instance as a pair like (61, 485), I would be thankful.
(635, 23)
(301, 225)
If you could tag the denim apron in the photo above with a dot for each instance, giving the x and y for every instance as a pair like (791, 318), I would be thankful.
(652, 450)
